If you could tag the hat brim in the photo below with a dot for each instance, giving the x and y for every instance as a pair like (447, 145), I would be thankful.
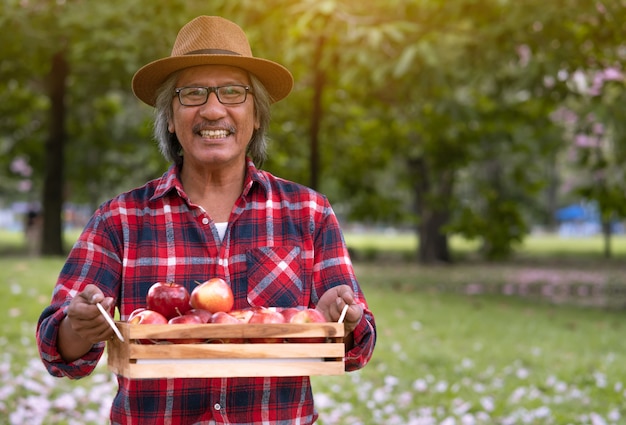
(276, 78)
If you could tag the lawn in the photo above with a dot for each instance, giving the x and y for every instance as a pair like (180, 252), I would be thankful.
(449, 351)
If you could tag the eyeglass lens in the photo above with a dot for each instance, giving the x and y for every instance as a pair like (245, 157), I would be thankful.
(227, 95)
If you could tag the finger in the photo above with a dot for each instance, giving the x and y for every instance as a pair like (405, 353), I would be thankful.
(353, 317)
(87, 323)
(84, 304)
(84, 317)
(79, 311)
(104, 335)
(346, 293)
(92, 294)
(96, 336)
(336, 308)
(109, 304)
(354, 313)
(93, 330)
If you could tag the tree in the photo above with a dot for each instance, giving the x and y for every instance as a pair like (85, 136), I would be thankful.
(434, 113)
(594, 122)
(467, 86)
(81, 54)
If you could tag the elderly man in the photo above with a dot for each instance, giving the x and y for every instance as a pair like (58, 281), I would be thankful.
(212, 214)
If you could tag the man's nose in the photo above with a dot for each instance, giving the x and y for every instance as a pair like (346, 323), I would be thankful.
(212, 107)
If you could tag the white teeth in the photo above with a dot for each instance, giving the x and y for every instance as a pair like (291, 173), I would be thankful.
(214, 134)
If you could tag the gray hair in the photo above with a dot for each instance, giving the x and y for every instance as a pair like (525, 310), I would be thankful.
(168, 142)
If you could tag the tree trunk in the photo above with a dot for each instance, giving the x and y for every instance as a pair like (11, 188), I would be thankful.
(52, 242)
(606, 232)
(433, 243)
(432, 213)
(553, 181)
(319, 76)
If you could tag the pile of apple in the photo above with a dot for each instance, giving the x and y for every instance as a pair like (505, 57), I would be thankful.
(212, 302)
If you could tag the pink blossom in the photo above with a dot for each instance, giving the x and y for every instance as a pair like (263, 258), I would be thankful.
(598, 128)
(25, 186)
(612, 74)
(586, 141)
(20, 166)
(565, 116)
(609, 74)
(524, 53)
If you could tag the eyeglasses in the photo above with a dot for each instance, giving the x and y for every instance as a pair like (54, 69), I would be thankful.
(226, 95)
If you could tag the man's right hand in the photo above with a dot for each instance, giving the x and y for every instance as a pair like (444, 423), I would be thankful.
(84, 325)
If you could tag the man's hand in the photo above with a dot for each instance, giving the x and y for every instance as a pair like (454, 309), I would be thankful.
(85, 318)
(84, 325)
(332, 303)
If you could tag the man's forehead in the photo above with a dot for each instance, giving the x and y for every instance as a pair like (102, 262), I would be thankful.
(224, 72)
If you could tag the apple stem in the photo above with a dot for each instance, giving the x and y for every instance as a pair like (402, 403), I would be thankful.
(178, 311)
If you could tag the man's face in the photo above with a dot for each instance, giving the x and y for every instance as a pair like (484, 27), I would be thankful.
(213, 134)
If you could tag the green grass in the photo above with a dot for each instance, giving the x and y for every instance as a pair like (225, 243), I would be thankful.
(12, 243)
(487, 350)
(440, 356)
(28, 287)
(372, 245)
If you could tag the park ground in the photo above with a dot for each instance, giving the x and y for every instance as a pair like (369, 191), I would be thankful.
(535, 340)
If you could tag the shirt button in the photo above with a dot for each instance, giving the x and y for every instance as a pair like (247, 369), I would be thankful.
(205, 220)
(217, 406)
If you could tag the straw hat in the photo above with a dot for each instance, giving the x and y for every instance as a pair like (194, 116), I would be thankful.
(211, 40)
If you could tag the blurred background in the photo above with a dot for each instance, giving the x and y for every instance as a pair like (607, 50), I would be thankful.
(485, 120)
(474, 151)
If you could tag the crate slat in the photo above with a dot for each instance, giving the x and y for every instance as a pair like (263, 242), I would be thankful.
(235, 351)
(229, 368)
(244, 330)
(137, 360)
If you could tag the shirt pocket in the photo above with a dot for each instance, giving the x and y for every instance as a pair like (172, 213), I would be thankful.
(274, 276)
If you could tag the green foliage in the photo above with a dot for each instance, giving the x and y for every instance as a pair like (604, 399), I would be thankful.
(599, 143)
(429, 108)
(105, 124)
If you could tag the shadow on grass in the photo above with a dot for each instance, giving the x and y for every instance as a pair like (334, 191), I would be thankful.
(11, 251)
(582, 279)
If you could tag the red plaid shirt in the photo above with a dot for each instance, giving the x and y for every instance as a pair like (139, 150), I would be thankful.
(154, 233)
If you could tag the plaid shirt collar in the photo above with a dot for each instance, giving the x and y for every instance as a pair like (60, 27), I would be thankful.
(171, 181)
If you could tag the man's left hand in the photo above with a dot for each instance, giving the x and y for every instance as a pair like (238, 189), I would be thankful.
(332, 302)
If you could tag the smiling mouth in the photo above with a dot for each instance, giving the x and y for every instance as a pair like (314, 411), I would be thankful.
(214, 134)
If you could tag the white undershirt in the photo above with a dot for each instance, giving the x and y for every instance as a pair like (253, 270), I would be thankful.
(221, 229)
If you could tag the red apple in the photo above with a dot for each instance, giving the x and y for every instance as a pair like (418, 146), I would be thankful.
(267, 315)
(224, 318)
(142, 316)
(289, 312)
(186, 319)
(213, 295)
(205, 315)
(147, 317)
(243, 315)
(170, 299)
(134, 313)
(308, 315)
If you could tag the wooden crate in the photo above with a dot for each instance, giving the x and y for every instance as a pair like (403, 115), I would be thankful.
(134, 359)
